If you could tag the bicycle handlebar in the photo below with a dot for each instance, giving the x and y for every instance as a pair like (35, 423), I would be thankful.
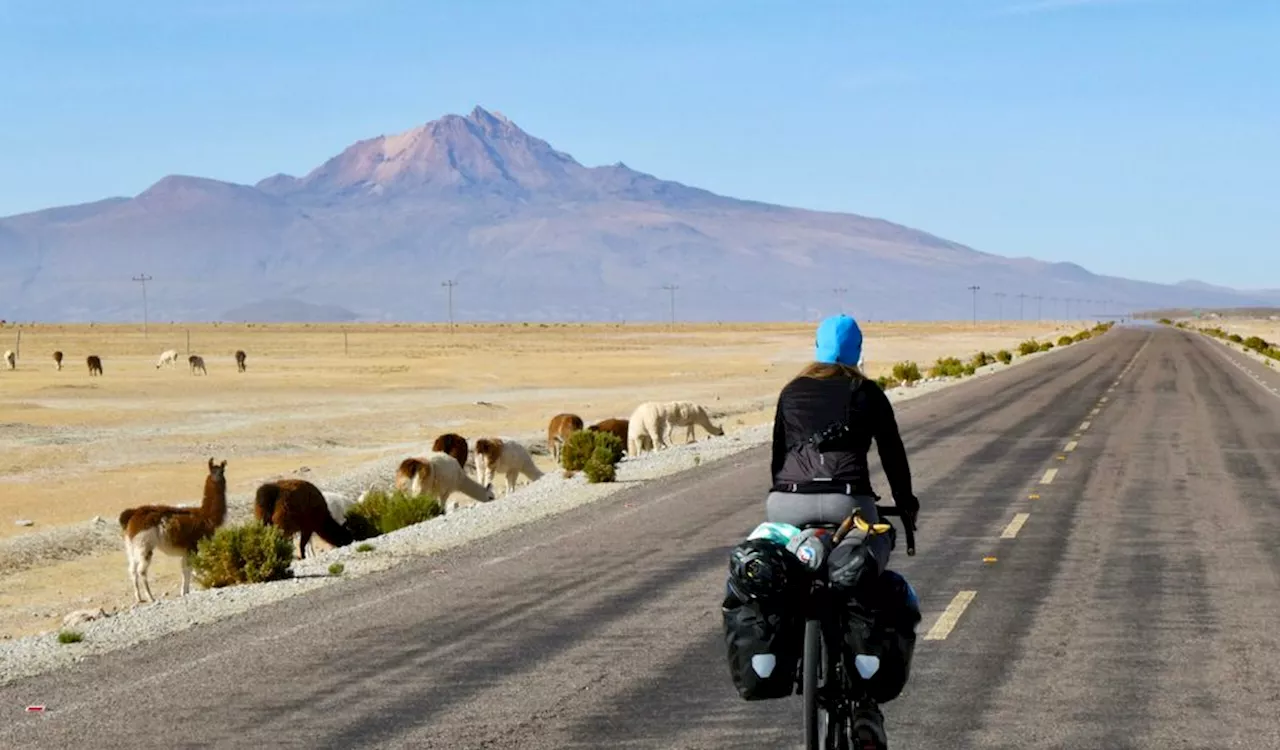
(908, 525)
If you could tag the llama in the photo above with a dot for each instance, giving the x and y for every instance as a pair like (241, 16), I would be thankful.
(57, 360)
(174, 531)
(240, 355)
(453, 444)
(339, 503)
(296, 506)
(647, 428)
(197, 363)
(441, 475)
(689, 415)
(504, 456)
(167, 357)
(561, 427)
(10, 360)
(617, 427)
(95, 364)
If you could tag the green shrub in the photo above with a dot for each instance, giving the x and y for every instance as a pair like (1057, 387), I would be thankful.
(577, 449)
(248, 553)
(886, 382)
(1004, 357)
(946, 367)
(1166, 322)
(906, 372)
(1256, 343)
(1030, 346)
(1065, 341)
(336, 569)
(982, 359)
(1082, 336)
(599, 471)
(968, 369)
(608, 448)
(69, 636)
(1046, 346)
(1235, 338)
(364, 547)
(382, 512)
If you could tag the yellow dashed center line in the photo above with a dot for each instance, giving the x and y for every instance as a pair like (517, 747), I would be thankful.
(950, 616)
(1014, 526)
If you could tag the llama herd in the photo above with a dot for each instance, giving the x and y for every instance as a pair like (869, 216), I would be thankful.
(296, 506)
(168, 357)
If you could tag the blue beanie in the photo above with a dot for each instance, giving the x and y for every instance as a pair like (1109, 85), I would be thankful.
(839, 340)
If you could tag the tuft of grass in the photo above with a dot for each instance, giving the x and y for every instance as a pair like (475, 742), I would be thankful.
(1065, 341)
(384, 512)
(947, 367)
(1030, 346)
(968, 370)
(1004, 357)
(886, 382)
(982, 359)
(906, 372)
(364, 547)
(1046, 346)
(70, 636)
(336, 569)
(248, 553)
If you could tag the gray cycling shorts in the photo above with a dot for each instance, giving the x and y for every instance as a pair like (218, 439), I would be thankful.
(798, 509)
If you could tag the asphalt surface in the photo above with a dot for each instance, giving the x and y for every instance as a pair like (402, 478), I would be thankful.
(1136, 606)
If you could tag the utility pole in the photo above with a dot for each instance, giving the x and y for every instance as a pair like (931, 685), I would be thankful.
(450, 284)
(143, 279)
(1022, 298)
(975, 289)
(672, 289)
(1039, 307)
(839, 292)
(1000, 305)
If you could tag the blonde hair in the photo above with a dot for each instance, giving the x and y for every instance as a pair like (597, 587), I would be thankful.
(832, 371)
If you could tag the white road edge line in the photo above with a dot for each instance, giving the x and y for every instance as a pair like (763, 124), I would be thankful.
(1011, 531)
(950, 616)
(1084, 425)
(1070, 446)
(1102, 400)
(1048, 476)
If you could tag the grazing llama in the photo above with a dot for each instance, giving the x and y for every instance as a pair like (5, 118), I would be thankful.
(197, 363)
(95, 364)
(440, 474)
(647, 428)
(689, 415)
(617, 427)
(240, 355)
(296, 506)
(504, 456)
(167, 357)
(10, 360)
(339, 503)
(453, 444)
(57, 361)
(173, 531)
(561, 427)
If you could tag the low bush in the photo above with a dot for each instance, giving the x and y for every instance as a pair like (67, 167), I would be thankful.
(982, 359)
(1030, 346)
(1235, 338)
(1065, 341)
(384, 512)
(1082, 336)
(1046, 346)
(906, 372)
(1256, 343)
(947, 367)
(365, 547)
(1004, 357)
(336, 569)
(249, 553)
(886, 382)
(70, 636)
(577, 450)
(1166, 322)
(599, 471)
(968, 369)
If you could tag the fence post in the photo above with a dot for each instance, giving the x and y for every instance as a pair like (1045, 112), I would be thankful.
(17, 347)
(188, 342)
(346, 351)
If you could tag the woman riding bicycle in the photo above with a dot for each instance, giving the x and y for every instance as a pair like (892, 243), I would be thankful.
(826, 418)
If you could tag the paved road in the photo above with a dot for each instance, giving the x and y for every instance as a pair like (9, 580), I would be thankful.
(1134, 607)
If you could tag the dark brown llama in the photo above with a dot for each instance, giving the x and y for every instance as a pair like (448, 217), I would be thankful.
(240, 356)
(174, 531)
(196, 362)
(561, 427)
(296, 506)
(453, 444)
(57, 360)
(95, 364)
(615, 426)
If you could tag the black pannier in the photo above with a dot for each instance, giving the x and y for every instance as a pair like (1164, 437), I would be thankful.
(882, 622)
(762, 627)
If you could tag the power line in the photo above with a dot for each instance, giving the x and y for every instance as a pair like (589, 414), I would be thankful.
(450, 284)
(975, 289)
(143, 279)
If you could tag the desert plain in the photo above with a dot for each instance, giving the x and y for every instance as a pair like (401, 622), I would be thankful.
(319, 400)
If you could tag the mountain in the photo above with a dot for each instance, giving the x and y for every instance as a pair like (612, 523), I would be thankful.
(288, 311)
(526, 231)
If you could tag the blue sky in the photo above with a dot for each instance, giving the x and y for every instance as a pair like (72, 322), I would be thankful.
(1134, 137)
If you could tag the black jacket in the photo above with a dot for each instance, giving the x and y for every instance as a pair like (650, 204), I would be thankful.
(806, 407)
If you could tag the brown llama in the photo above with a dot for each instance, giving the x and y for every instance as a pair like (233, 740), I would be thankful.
(57, 360)
(296, 506)
(196, 362)
(616, 427)
(561, 427)
(173, 531)
(95, 364)
(240, 356)
(453, 444)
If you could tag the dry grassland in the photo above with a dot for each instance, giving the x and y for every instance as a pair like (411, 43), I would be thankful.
(76, 446)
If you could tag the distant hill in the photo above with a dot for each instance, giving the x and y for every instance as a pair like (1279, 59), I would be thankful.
(288, 311)
(527, 232)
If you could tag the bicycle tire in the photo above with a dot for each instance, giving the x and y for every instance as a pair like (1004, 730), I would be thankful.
(812, 660)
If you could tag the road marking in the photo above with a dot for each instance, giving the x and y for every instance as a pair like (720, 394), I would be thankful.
(1084, 425)
(1102, 400)
(1048, 476)
(1014, 526)
(950, 616)
(1071, 446)
(1034, 496)
(1094, 413)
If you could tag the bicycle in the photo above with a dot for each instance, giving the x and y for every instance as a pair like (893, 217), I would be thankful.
(829, 693)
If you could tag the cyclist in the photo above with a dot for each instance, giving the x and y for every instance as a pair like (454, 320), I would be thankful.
(825, 420)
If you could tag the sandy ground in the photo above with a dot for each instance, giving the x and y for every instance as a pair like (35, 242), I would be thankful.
(1267, 329)
(317, 400)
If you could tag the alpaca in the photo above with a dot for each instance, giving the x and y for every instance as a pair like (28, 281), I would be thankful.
(339, 503)
(95, 364)
(174, 531)
(504, 456)
(440, 474)
(240, 355)
(453, 444)
(10, 360)
(197, 363)
(296, 506)
(647, 428)
(57, 360)
(617, 427)
(689, 414)
(561, 427)
(167, 357)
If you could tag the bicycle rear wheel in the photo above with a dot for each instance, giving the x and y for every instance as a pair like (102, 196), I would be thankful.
(812, 662)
